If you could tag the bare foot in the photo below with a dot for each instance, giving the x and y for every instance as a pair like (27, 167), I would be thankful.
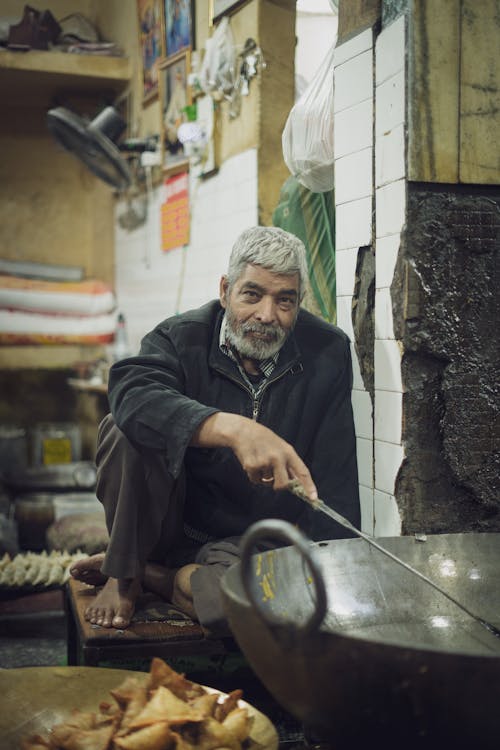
(88, 570)
(114, 605)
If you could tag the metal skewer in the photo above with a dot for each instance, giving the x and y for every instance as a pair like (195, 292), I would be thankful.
(296, 488)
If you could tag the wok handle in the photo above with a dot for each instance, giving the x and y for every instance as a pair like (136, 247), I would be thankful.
(275, 529)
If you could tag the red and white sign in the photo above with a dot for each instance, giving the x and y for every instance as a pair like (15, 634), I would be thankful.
(175, 212)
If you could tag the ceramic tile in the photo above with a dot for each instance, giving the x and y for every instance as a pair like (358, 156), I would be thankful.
(363, 414)
(388, 365)
(391, 207)
(390, 104)
(357, 380)
(353, 129)
(388, 460)
(353, 176)
(364, 452)
(388, 416)
(386, 255)
(243, 165)
(384, 322)
(353, 81)
(247, 217)
(186, 277)
(390, 50)
(353, 47)
(353, 224)
(246, 192)
(387, 516)
(344, 313)
(366, 505)
(390, 156)
(345, 270)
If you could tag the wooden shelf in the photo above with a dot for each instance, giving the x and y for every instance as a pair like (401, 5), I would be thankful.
(39, 78)
(88, 387)
(47, 357)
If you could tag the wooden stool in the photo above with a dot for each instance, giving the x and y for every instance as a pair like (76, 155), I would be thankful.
(89, 644)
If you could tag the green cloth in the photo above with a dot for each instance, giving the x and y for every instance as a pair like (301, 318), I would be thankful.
(311, 217)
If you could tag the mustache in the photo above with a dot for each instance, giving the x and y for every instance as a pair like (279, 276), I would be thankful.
(263, 328)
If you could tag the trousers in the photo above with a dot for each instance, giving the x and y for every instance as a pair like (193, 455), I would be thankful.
(143, 507)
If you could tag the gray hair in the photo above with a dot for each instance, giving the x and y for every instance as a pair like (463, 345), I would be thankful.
(273, 249)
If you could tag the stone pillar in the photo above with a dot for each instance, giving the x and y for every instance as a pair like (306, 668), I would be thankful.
(417, 176)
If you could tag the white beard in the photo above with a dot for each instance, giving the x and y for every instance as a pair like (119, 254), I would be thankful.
(254, 348)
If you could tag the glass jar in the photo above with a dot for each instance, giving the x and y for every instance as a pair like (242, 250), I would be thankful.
(56, 443)
(33, 514)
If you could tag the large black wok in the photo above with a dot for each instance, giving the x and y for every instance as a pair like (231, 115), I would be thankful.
(362, 650)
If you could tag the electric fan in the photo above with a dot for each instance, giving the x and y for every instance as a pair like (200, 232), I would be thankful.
(93, 142)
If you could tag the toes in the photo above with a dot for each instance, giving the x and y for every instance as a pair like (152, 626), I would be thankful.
(120, 622)
(99, 616)
(122, 617)
(107, 620)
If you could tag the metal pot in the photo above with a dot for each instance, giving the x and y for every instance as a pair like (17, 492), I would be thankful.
(77, 475)
(360, 649)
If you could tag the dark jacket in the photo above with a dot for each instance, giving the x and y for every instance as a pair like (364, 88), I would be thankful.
(180, 377)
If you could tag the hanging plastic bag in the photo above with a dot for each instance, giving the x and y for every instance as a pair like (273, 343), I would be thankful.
(307, 138)
(217, 75)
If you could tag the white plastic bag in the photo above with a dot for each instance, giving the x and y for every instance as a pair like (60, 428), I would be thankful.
(307, 138)
(217, 73)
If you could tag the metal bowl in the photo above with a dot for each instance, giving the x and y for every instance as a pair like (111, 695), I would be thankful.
(359, 648)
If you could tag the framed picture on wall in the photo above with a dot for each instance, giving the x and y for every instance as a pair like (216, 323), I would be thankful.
(179, 25)
(175, 97)
(151, 38)
(221, 7)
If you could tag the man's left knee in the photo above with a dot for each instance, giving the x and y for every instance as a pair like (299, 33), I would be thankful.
(182, 580)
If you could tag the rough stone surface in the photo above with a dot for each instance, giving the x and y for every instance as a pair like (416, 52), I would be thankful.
(363, 315)
(446, 312)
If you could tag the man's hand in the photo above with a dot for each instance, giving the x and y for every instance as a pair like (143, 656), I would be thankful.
(265, 457)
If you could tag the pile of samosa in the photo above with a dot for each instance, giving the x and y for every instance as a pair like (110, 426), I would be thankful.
(164, 712)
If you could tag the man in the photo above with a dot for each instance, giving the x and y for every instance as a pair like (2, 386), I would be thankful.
(223, 406)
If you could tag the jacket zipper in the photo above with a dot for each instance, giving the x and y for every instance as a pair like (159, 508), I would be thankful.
(255, 409)
(256, 401)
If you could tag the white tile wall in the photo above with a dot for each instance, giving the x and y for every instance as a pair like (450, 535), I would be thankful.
(345, 270)
(390, 173)
(388, 414)
(366, 503)
(390, 156)
(388, 459)
(362, 408)
(353, 176)
(152, 285)
(364, 452)
(353, 81)
(353, 47)
(353, 129)
(384, 324)
(391, 208)
(357, 380)
(353, 223)
(390, 50)
(344, 320)
(388, 365)
(386, 513)
(390, 104)
(386, 255)
(354, 155)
